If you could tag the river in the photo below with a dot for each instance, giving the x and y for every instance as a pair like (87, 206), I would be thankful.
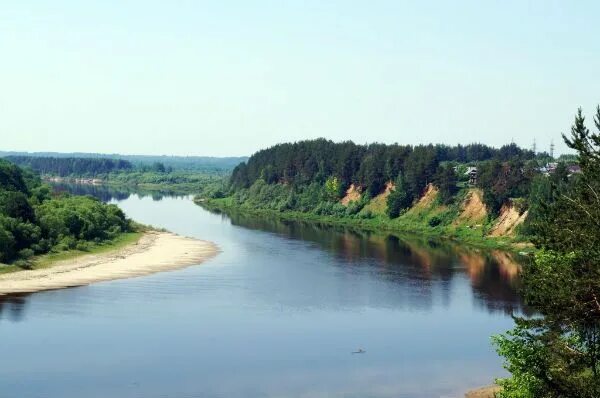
(277, 313)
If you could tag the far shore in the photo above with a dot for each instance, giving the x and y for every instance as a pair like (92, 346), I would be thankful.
(153, 252)
(85, 181)
(467, 238)
(175, 188)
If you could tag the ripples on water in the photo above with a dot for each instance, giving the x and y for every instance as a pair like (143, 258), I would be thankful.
(276, 314)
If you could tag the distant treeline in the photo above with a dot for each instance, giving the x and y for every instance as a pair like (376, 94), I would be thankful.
(367, 166)
(65, 167)
(313, 176)
(189, 163)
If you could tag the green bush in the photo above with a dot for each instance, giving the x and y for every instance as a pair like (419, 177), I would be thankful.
(434, 221)
(26, 254)
(367, 214)
(83, 246)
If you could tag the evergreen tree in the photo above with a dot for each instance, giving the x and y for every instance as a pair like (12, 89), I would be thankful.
(557, 354)
(369, 166)
(445, 179)
(399, 199)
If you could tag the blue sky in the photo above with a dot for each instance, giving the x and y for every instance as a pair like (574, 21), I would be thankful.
(230, 77)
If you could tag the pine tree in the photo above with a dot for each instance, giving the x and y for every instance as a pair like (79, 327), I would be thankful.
(399, 199)
(445, 179)
(557, 354)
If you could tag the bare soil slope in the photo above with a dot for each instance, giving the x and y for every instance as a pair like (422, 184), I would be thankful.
(473, 210)
(508, 221)
(352, 195)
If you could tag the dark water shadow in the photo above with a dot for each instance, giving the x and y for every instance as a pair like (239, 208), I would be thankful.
(13, 307)
(492, 274)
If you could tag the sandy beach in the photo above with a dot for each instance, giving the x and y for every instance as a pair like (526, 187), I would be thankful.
(153, 252)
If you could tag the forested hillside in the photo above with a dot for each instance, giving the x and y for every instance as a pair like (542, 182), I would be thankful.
(369, 166)
(504, 172)
(473, 189)
(35, 221)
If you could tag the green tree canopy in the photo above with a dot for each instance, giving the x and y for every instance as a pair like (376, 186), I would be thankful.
(557, 354)
(32, 221)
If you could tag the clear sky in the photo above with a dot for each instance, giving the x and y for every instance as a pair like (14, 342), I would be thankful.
(229, 77)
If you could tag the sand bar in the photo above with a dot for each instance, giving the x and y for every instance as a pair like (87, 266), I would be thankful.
(153, 252)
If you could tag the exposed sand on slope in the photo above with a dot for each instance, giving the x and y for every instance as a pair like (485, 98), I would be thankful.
(473, 209)
(426, 200)
(154, 252)
(508, 221)
(352, 195)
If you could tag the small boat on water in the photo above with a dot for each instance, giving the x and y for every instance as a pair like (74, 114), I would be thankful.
(359, 351)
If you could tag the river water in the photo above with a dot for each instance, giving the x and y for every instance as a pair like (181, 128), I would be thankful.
(277, 313)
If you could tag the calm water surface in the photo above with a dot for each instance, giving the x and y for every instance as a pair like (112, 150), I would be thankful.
(276, 314)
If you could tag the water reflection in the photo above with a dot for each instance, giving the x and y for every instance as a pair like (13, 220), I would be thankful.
(276, 314)
(12, 308)
(493, 275)
(107, 193)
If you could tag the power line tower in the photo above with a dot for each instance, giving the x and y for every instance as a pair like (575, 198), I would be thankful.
(552, 149)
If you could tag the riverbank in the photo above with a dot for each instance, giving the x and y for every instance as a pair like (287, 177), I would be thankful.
(189, 183)
(458, 234)
(153, 252)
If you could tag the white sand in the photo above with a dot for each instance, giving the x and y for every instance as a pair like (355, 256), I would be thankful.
(154, 252)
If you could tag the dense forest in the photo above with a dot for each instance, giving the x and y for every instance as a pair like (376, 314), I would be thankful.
(370, 166)
(33, 220)
(312, 176)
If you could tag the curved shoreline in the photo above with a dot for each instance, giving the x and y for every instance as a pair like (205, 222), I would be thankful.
(377, 225)
(153, 252)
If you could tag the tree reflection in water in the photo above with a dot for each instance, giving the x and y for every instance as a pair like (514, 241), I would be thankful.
(12, 307)
(406, 259)
(108, 193)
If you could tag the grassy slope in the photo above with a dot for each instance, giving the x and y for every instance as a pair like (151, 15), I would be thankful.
(47, 260)
(415, 221)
